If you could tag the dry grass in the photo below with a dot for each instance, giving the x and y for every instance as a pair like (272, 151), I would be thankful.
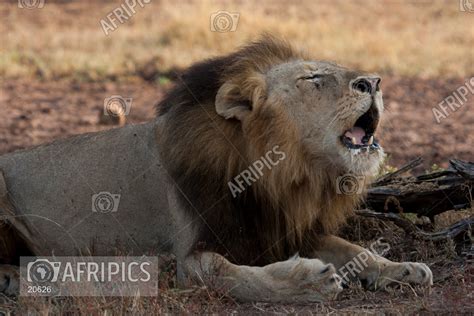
(452, 292)
(427, 38)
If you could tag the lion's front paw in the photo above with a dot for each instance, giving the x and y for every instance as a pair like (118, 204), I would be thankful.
(303, 280)
(404, 272)
(332, 283)
(318, 281)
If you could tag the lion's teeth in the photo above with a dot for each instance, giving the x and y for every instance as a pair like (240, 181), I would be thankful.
(371, 140)
(353, 139)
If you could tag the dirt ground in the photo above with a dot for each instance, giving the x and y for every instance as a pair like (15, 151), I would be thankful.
(38, 112)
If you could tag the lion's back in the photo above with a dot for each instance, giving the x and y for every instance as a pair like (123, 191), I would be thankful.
(54, 187)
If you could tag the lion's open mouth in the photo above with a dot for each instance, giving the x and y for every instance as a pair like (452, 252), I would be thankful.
(361, 135)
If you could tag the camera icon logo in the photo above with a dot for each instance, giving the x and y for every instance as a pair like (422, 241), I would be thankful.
(42, 270)
(30, 4)
(224, 21)
(117, 105)
(105, 202)
(466, 5)
(350, 184)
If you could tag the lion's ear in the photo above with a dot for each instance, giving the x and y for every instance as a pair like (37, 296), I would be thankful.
(230, 103)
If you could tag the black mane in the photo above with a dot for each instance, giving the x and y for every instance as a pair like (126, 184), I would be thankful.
(197, 85)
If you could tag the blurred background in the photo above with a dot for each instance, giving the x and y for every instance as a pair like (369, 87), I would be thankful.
(59, 60)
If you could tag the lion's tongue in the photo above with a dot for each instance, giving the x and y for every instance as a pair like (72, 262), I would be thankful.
(355, 134)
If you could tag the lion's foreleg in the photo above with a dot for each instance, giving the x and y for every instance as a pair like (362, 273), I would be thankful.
(374, 271)
(294, 280)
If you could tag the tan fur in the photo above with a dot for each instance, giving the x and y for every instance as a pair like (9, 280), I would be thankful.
(301, 190)
(310, 192)
(223, 115)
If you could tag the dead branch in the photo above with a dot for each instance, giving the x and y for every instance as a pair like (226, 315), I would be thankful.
(410, 228)
(426, 195)
(389, 176)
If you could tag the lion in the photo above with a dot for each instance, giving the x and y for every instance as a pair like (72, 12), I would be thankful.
(238, 177)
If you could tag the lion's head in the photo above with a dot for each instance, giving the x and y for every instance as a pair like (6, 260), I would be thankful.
(226, 113)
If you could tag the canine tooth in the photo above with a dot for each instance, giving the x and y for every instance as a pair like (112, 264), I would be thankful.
(371, 140)
(353, 139)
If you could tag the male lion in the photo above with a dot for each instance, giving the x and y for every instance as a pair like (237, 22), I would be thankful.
(288, 126)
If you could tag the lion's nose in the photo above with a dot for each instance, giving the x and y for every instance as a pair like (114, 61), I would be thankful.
(367, 84)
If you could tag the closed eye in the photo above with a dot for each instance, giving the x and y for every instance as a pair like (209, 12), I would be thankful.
(314, 77)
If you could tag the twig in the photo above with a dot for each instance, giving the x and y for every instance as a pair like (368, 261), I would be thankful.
(405, 224)
(410, 228)
(465, 169)
(410, 165)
